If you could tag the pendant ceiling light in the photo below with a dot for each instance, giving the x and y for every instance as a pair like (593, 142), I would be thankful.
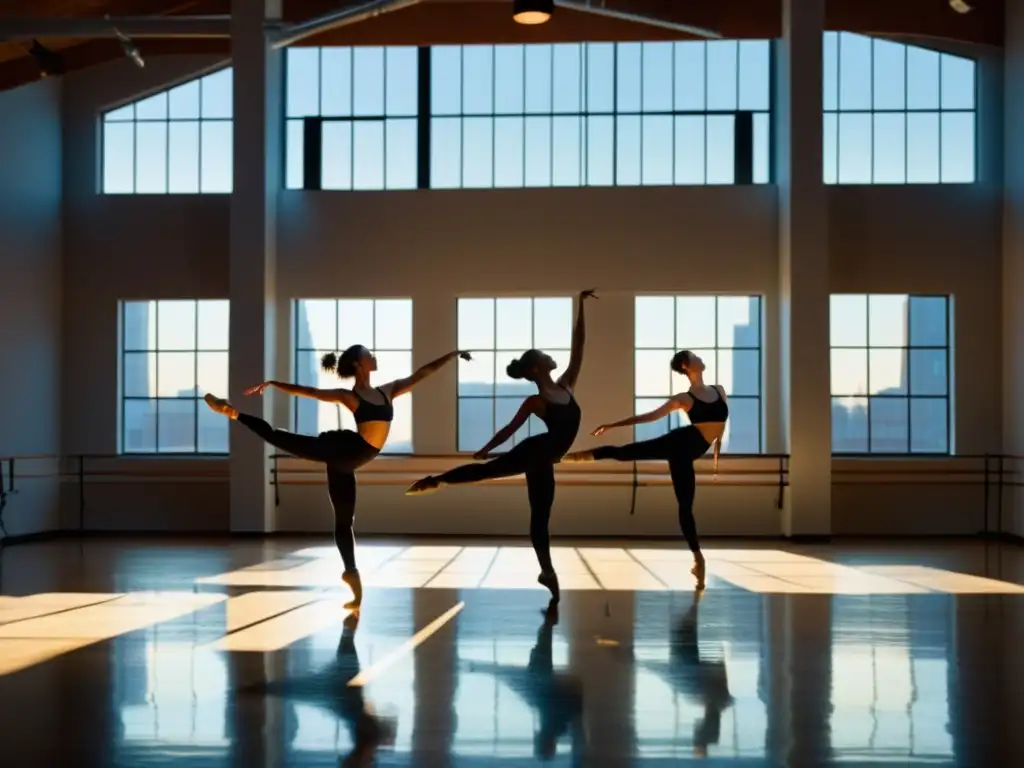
(532, 11)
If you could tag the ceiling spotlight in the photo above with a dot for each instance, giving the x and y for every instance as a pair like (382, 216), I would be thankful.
(130, 49)
(532, 11)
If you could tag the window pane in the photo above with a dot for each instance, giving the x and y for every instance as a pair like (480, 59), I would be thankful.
(922, 78)
(316, 324)
(212, 373)
(400, 153)
(848, 316)
(538, 151)
(755, 65)
(600, 151)
(849, 424)
(928, 372)
(652, 375)
(476, 324)
(890, 75)
(176, 325)
(216, 95)
(402, 97)
(658, 92)
(890, 428)
(392, 324)
(392, 366)
(446, 153)
(477, 152)
(118, 158)
(139, 427)
(152, 108)
(887, 372)
(138, 374)
(552, 324)
(695, 322)
(509, 70)
(476, 376)
(849, 372)
(854, 148)
(888, 320)
(923, 148)
(176, 374)
(139, 325)
(739, 371)
(655, 322)
(567, 89)
(295, 174)
(336, 156)
(721, 149)
(150, 158)
(689, 149)
(508, 151)
(627, 160)
(743, 429)
(184, 101)
(213, 322)
(125, 113)
(762, 148)
(183, 161)
(217, 169)
(538, 79)
(446, 80)
(722, 74)
(657, 149)
(368, 154)
(213, 434)
(830, 71)
(628, 88)
(739, 321)
(890, 158)
(830, 145)
(336, 81)
(958, 83)
(514, 324)
(368, 85)
(176, 426)
(303, 82)
(600, 77)
(355, 323)
(476, 423)
(566, 151)
(854, 71)
(928, 321)
(690, 76)
(958, 152)
(478, 79)
(929, 425)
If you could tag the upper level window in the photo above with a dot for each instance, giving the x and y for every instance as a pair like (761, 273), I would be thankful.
(178, 141)
(896, 114)
(890, 373)
(351, 118)
(172, 353)
(384, 326)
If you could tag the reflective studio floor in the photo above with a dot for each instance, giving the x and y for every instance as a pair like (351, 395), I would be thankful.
(141, 653)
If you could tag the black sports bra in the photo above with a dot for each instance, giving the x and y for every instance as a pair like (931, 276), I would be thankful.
(702, 412)
(367, 411)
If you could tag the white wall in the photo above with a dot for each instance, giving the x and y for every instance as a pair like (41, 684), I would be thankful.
(436, 246)
(30, 295)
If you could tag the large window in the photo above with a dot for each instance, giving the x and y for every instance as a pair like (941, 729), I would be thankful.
(896, 114)
(890, 374)
(384, 326)
(172, 353)
(600, 114)
(725, 331)
(177, 141)
(351, 118)
(496, 331)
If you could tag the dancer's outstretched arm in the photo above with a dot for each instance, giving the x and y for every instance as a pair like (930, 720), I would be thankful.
(401, 386)
(343, 396)
(579, 341)
(531, 405)
(677, 403)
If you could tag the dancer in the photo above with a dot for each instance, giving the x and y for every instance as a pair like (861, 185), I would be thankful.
(343, 451)
(536, 456)
(708, 410)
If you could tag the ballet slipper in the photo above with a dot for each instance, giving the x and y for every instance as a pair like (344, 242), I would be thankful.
(578, 457)
(550, 582)
(699, 571)
(221, 406)
(355, 583)
(427, 484)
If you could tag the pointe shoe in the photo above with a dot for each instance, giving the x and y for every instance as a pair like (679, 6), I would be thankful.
(550, 582)
(355, 583)
(578, 457)
(423, 485)
(699, 571)
(221, 406)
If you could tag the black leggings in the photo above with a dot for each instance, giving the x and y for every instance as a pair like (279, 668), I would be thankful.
(681, 447)
(535, 457)
(343, 451)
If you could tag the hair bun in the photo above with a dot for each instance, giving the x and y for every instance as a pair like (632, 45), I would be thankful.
(329, 362)
(515, 369)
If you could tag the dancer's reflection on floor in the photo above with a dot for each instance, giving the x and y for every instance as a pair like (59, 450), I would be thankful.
(328, 689)
(556, 697)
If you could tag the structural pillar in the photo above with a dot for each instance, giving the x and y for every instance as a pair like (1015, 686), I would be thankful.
(1013, 260)
(257, 159)
(803, 271)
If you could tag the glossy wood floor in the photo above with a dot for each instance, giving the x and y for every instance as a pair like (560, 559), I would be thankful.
(144, 653)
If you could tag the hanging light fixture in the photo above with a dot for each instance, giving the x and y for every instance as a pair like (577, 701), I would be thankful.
(532, 11)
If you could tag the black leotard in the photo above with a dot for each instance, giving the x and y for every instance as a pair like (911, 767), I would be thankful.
(367, 411)
(563, 423)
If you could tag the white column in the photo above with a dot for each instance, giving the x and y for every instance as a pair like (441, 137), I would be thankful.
(803, 271)
(257, 158)
(1013, 257)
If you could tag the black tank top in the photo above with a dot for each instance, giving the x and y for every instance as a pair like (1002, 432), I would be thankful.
(562, 421)
(367, 411)
(702, 413)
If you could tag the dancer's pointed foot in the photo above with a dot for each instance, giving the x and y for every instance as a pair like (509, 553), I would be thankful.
(356, 585)
(551, 613)
(427, 484)
(699, 571)
(223, 407)
(578, 457)
(549, 579)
